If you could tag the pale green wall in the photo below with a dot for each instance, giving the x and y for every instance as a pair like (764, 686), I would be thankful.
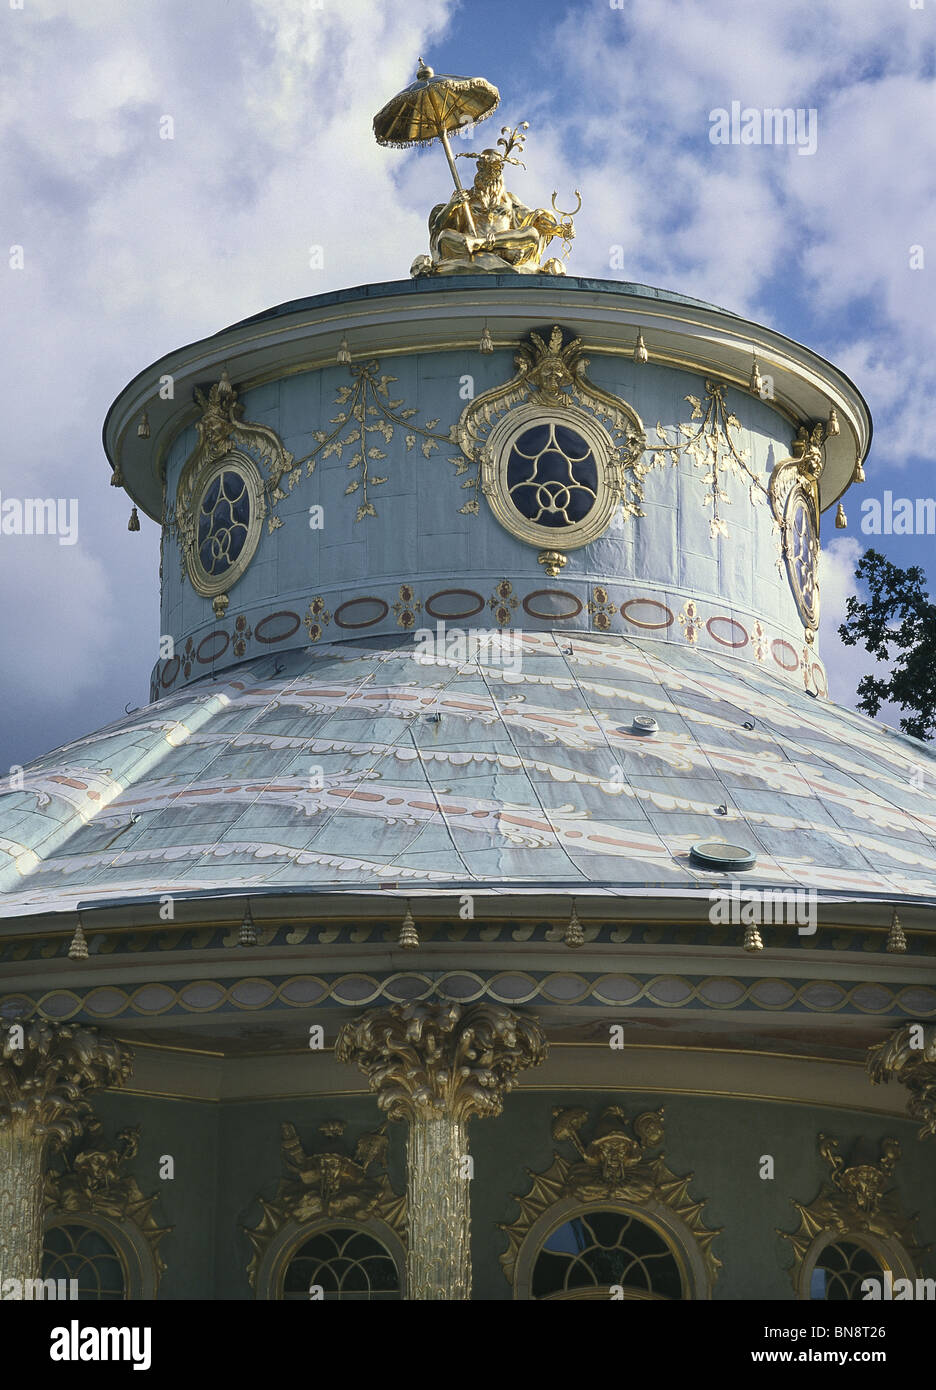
(226, 1153)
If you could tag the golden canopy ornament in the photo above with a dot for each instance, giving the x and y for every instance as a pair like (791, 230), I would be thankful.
(483, 228)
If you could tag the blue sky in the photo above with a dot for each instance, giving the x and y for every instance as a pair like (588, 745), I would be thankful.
(134, 245)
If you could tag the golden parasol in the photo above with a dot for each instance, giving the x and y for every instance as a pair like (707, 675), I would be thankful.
(429, 108)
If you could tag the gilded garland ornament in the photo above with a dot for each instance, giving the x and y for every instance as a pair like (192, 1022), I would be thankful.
(857, 1198)
(92, 1181)
(909, 1056)
(365, 409)
(713, 446)
(614, 1166)
(328, 1183)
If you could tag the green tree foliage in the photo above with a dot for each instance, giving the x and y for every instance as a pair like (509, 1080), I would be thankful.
(898, 625)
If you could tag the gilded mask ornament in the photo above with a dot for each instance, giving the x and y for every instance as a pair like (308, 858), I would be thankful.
(614, 1166)
(858, 1197)
(93, 1181)
(331, 1183)
(613, 1162)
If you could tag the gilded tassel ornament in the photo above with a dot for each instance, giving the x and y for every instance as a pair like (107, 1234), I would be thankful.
(753, 941)
(409, 936)
(487, 342)
(117, 478)
(859, 474)
(832, 424)
(757, 381)
(143, 428)
(841, 520)
(134, 523)
(574, 936)
(343, 357)
(78, 950)
(640, 348)
(248, 932)
(896, 939)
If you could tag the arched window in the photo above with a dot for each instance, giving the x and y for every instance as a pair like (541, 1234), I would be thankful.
(84, 1253)
(345, 1262)
(347, 1259)
(109, 1258)
(603, 1249)
(840, 1268)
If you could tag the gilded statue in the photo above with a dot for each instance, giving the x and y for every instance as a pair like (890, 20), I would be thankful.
(487, 228)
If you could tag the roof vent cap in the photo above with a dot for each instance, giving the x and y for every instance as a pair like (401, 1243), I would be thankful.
(717, 854)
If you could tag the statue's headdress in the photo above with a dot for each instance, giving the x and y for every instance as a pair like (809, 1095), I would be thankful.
(514, 141)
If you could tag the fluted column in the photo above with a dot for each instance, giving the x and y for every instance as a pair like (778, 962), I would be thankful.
(437, 1066)
(45, 1070)
(909, 1056)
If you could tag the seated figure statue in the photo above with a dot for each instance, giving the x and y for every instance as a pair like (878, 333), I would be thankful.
(501, 234)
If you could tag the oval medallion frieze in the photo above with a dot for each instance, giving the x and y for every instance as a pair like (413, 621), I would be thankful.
(462, 603)
(221, 640)
(557, 604)
(361, 612)
(646, 612)
(276, 627)
(727, 632)
(780, 650)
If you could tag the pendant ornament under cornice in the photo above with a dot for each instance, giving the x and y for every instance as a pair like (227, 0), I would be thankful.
(555, 455)
(614, 1166)
(328, 1183)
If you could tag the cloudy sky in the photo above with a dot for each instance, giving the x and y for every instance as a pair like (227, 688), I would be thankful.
(133, 244)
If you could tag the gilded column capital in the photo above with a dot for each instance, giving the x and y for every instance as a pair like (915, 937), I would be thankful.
(442, 1058)
(45, 1069)
(909, 1056)
(437, 1066)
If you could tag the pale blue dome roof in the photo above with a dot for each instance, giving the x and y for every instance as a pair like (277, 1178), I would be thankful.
(354, 764)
